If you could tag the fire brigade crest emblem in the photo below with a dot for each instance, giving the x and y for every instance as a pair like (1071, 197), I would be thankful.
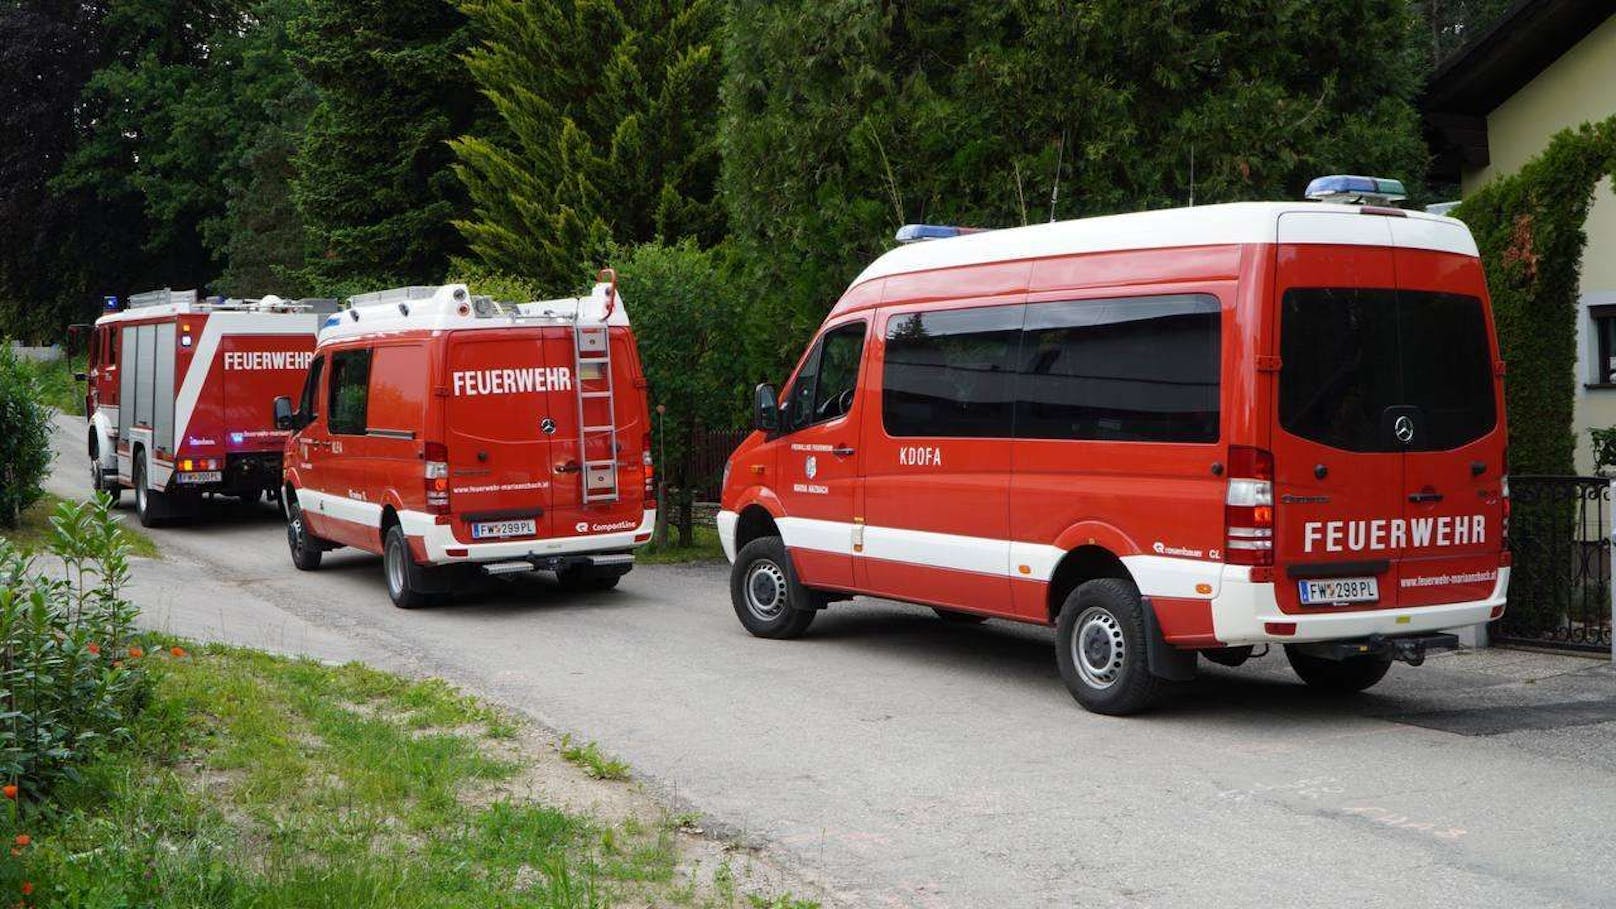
(811, 467)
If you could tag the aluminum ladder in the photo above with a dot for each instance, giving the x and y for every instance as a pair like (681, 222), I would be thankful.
(592, 350)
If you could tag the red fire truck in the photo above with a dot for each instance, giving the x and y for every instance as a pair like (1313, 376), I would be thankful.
(456, 435)
(1195, 431)
(176, 392)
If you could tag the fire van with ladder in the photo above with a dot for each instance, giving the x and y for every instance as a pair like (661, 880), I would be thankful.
(459, 437)
(1178, 435)
(176, 392)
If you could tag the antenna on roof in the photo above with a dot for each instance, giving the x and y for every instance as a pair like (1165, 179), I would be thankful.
(1054, 193)
(1192, 175)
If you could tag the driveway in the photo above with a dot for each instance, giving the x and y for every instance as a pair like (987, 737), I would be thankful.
(908, 762)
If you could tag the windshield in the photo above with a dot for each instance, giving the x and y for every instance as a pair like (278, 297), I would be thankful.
(1356, 361)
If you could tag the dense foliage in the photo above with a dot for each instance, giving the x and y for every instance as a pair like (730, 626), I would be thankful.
(608, 134)
(24, 438)
(844, 119)
(372, 176)
(70, 678)
(1529, 227)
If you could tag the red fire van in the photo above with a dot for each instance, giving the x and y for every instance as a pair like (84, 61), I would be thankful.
(447, 432)
(1193, 431)
(175, 396)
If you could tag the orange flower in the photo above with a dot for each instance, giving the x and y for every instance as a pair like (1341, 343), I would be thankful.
(27, 888)
(23, 839)
(94, 648)
(10, 790)
(136, 653)
(177, 651)
(117, 664)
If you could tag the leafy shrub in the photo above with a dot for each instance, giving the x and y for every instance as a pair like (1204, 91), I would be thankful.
(70, 677)
(1604, 450)
(24, 438)
(1529, 228)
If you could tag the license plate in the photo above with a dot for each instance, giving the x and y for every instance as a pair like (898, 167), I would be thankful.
(487, 530)
(200, 476)
(1339, 590)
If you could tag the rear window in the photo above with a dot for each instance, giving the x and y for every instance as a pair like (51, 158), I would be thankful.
(1356, 360)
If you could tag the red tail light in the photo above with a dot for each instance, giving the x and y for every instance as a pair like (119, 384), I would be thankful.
(650, 472)
(436, 474)
(1248, 509)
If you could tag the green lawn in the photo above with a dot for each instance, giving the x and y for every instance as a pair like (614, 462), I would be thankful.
(266, 782)
(33, 532)
(706, 546)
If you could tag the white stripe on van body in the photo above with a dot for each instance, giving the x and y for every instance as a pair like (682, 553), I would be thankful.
(1240, 607)
(1204, 225)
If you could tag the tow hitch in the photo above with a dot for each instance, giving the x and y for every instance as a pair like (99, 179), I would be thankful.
(1410, 649)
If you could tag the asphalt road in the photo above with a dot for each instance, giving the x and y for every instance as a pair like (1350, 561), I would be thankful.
(908, 762)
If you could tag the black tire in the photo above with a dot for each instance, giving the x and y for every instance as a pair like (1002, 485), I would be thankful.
(583, 579)
(1101, 646)
(411, 586)
(306, 548)
(110, 491)
(151, 506)
(955, 617)
(1337, 676)
(768, 598)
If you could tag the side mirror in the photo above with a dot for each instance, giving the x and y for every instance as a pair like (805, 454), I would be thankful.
(766, 409)
(284, 418)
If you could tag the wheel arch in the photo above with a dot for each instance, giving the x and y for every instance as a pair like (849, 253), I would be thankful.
(1083, 563)
(755, 521)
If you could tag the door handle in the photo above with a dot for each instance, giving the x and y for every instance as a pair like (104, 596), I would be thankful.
(568, 467)
(842, 451)
(1425, 497)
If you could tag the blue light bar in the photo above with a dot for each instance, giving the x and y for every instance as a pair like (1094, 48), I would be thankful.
(110, 303)
(913, 233)
(1350, 188)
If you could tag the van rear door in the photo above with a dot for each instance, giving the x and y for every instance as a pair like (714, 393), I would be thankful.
(1338, 469)
(503, 396)
(1454, 462)
(609, 392)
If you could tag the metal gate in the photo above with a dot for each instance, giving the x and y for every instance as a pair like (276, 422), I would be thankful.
(1559, 587)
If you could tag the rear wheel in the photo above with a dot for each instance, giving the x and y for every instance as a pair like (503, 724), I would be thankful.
(150, 505)
(410, 585)
(1337, 676)
(306, 550)
(1100, 645)
(583, 579)
(955, 617)
(763, 587)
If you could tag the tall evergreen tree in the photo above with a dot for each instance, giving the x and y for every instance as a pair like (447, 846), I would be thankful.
(373, 183)
(607, 134)
(846, 118)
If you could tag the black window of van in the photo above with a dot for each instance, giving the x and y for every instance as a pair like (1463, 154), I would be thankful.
(349, 386)
(308, 403)
(1133, 369)
(1353, 360)
(948, 373)
(824, 387)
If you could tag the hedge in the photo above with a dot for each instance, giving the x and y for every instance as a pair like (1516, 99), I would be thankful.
(1529, 227)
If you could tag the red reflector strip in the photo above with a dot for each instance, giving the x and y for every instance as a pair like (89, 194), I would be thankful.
(1280, 628)
(455, 553)
(1497, 611)
(641, 537)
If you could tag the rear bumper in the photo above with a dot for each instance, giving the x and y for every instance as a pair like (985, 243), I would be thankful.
(1242, 609)
(437, 540)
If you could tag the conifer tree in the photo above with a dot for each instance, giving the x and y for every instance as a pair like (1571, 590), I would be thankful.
(607, 131)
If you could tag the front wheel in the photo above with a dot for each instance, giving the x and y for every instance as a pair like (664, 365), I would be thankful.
(109, 490)
(1100, 646)
(306, 551)
(1347, 676)
(763, 587)
(407, 583)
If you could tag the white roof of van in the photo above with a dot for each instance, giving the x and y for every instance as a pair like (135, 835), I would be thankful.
(1204, 225)
(453, 306)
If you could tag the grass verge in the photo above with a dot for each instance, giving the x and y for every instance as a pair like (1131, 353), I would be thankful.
(57, 386)
(32, 533)
(263, 781)
(592, 760)
(704, 546)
